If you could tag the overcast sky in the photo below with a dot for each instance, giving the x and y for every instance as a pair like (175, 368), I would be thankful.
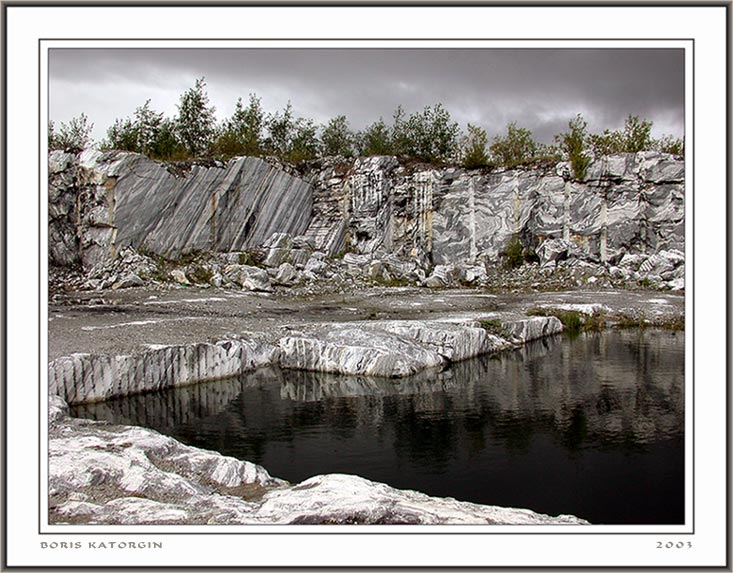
(540, 89)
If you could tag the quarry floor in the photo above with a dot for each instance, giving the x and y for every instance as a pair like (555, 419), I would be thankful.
(128, 320)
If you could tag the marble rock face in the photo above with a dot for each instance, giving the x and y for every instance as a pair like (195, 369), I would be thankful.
(368, 207)
(129, 200)
(107, 474)
(94, 377)
(349, 349)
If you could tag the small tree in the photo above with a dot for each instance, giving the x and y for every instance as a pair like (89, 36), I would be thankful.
(195, 123)
(242, 133)
(72, 137)
(121, 135)
(167, 147)
(637, 134)
(516, 148)
(607, 143)
(281, 127)
(376, 139)
(573, 144)
(400, 140)
(147, 128)
(304, 144)
(337, 138)
(429, 135)
(474, 144)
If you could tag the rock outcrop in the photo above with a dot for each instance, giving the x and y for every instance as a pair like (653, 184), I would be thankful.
(387, 349)
(374, 207)
(106, 474)
(100, 203)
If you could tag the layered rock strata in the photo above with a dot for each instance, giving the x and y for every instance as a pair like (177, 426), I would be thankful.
(122, 475)
(100, 203)
(387, 349)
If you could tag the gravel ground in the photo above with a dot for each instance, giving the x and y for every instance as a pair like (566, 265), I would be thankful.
(127, 320)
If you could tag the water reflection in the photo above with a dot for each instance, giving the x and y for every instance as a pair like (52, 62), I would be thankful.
(591, 426)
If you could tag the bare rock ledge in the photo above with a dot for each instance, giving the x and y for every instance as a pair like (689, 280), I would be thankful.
(388, 349)
(121, 475)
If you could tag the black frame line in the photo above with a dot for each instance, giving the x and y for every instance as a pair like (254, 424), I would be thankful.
(305, 532)
(425, 4)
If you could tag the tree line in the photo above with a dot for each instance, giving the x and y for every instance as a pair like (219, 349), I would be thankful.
(429, 135)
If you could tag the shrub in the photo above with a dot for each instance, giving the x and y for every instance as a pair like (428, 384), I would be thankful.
(515, 148)
(242, 133)
(513, 253)
(72, 137)
(493, 326)
(337, 138)
(573, 144)
(376, 139)
(430, 136)
(473, 148)
(669, 144)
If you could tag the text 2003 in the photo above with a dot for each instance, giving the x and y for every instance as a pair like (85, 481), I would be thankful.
(674, 545)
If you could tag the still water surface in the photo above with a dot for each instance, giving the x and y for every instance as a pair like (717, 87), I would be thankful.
(592, 426)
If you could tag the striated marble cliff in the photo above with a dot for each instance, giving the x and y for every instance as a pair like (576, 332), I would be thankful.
(100, 203)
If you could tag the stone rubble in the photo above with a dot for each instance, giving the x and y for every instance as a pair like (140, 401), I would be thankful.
(560, 266)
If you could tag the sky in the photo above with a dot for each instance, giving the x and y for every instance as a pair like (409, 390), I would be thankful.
(539, 89)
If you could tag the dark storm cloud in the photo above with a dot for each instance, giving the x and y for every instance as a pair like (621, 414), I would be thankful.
(541, 89)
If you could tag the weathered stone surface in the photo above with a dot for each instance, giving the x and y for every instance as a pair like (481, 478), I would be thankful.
(128, 199)
(443, 276)
(452, 341)
(91, 377)
(351, 350)
(521, 331)
(345, 499)
(248, 277)
(553, 250)
(373, 207)
(105, 474)
(286, 275)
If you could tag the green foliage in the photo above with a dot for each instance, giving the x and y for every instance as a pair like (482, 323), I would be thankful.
(337, 138)
(637, 134)
(200, 275)
(513, 253)
(429, 135)
(607, 143)
(376, 139)
(242, 134)
(669, 144)
(515, 148)
(166, 146)
(304, 145)
(195, 123)
(573, 143)
(147, 127)
(473, 148)
(121, 135)
(493, 326)
(72, 137)
(281, 127)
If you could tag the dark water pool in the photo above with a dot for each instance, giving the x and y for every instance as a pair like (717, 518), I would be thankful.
(592, 426)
